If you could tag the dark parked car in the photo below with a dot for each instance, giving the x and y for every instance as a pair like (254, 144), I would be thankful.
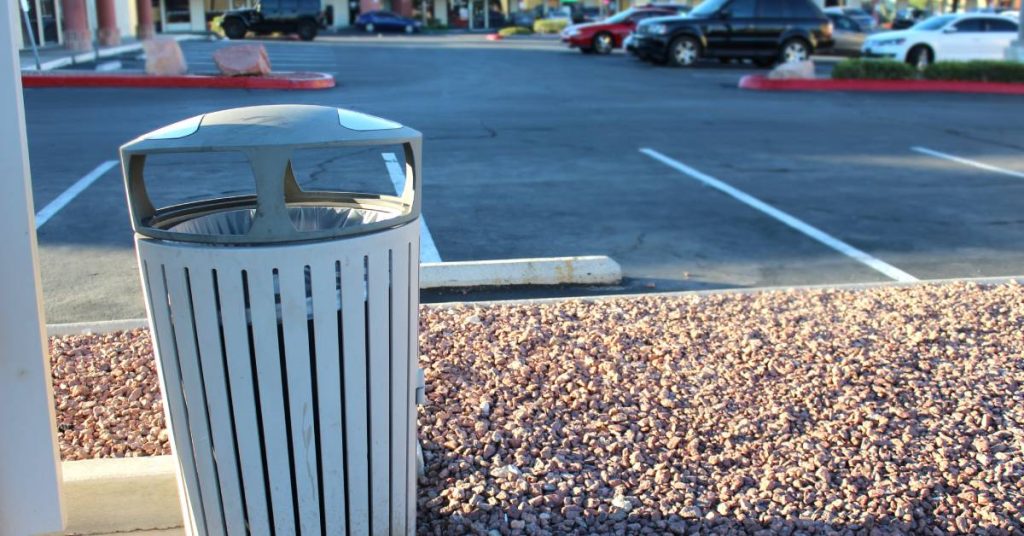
(386, 21)
(495, 20)
(304, 17)
(765, 31)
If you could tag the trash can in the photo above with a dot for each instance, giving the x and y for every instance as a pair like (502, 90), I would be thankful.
(285, 329)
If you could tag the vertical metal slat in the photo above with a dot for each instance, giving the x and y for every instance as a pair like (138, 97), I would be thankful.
(400, 401)
(300, 394)
(211, 359)
(414, 315)
(354, 361)
(379, 390)
(170, 382)
(188, 359)
(328, 365)
(268, 370)
(236, 349)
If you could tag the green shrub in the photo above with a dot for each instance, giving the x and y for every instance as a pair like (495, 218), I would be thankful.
(549, 26)
(976, 71)
(514, 30)
(873, 70)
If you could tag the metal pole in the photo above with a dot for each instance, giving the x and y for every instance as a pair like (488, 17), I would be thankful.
(30, 472)
(31, 33)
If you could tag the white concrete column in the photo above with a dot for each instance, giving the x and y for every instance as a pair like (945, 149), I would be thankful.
(197, 15)
(126, 17)
(340, 12)
(30, 476)
(441, 11)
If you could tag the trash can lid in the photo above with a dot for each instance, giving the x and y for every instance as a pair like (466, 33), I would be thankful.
(279, 210)
(272, 125)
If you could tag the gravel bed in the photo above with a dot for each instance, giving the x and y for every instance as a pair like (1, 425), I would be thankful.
(890, 410)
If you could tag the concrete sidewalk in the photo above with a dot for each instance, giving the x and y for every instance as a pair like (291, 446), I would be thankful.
(58, 57)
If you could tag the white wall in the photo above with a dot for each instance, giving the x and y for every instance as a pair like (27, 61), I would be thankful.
(340, 12)
(197, 14)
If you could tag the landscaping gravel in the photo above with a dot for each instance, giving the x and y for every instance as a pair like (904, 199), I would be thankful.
(888, 410)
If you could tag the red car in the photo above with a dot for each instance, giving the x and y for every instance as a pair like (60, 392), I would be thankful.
(602, 37)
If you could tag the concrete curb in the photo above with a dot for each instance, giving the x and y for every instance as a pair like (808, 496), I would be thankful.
(741, 290)
(84, 57)
(589, 270)
(284, 80)
(760, 83)
(121, 494)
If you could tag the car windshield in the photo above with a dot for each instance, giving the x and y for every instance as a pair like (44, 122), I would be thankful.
(707, 7)
(933, 23)
(620, 16)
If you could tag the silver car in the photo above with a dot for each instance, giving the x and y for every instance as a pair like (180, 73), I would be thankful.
(848, 33)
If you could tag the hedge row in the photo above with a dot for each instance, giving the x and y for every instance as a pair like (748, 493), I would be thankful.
(874, 70)
(972, 71)
(549, 26)
(976, 71)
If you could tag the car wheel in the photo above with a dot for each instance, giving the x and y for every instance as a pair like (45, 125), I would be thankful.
(920, 57)
(603, 43)
(409, 29)
(683, 52)
(307, 30)
(795, 50)
(369, 28)
(233, 28)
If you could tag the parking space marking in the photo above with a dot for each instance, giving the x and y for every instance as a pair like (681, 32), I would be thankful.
(68, 195)
(428, 250)
(966, 162)
(787, 219)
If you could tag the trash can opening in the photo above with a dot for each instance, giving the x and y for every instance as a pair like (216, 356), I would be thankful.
(304, 219)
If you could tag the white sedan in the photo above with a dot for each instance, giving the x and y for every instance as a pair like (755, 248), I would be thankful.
(945, 38)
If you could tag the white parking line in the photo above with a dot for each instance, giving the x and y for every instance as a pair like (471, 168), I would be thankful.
(428, 250)
(790, 221)
(966, 162)
(63, 199)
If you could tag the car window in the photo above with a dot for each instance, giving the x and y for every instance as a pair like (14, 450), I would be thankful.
(707, 7)
(741, 9)
(773, 9)
(641, 15)
(970, 26)
(802, 9)
(843, 23)
(1000, 25)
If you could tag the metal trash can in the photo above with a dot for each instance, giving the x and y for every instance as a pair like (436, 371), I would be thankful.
(285, 329)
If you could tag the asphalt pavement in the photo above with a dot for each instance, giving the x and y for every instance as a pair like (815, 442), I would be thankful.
(532, 150)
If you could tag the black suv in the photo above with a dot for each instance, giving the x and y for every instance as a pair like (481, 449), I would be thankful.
(765, 31)
(304, 17)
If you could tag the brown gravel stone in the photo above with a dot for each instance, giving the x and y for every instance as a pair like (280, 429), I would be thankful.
(877, 411)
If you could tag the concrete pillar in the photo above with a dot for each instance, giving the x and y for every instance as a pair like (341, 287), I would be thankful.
(145, 29)
(197, 15)
(30, 471)
(77, 36)
(441, 11)
(106, 17)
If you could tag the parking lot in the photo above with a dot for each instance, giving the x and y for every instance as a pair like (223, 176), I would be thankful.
(532, 150)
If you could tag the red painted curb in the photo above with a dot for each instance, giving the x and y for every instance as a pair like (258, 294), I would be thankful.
(288, 80)
(760, 83)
